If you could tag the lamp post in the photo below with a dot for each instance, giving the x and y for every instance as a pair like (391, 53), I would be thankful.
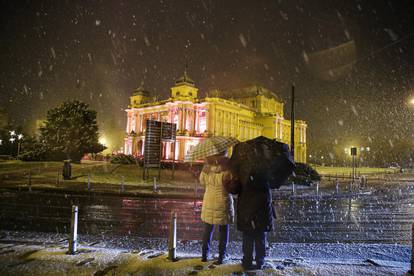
(12, 139)
(19, 139)
(353, 154)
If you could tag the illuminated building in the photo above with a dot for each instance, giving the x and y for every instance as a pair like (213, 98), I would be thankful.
(242, 113)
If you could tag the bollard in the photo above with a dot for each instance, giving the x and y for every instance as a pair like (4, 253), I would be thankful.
(73, 231)
(89, 182)
(293, 189)
(122, 184)
(317, 189)
(412, 250)
(172, 240)
(337, 187)
(30, 180)
(154, 184)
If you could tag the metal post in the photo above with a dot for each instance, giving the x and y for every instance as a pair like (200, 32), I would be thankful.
(122, 184)
(89, 182)
(337, 187)
(154, 185)
(30, 180)
(293, 189)
(353, 168)
(172, 241)
(350, 187)
(173, 164)
(161, 149)
(412, 249)
(292, 124)
(317, 189)
(73, 231)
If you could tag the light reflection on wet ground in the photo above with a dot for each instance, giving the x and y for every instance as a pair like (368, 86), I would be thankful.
(385, 216)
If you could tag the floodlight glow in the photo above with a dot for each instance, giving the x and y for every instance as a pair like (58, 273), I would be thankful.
(102, 141)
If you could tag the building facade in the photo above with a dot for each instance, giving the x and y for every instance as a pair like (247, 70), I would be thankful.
(242, 113)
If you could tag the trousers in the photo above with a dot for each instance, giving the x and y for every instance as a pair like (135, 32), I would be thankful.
(208, 235)
(254, 241)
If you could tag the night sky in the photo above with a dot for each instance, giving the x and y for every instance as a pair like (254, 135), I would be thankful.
(100, 51)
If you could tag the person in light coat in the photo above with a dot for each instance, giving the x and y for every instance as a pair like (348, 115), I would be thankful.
(217, 208)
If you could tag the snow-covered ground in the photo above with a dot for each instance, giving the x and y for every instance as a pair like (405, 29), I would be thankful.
(28, 253)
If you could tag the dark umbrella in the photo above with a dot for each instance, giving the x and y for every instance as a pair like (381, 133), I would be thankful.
(265, 160)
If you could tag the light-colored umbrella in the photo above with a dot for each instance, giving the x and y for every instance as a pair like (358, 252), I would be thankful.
(210, 146)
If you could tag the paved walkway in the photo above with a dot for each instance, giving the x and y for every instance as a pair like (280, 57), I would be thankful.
(45, 255)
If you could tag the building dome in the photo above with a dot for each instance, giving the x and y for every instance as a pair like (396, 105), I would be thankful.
(140, 91)
(185, 79)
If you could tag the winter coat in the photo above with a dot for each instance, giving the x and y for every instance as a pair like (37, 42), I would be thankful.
(217, 205)
(255, 211)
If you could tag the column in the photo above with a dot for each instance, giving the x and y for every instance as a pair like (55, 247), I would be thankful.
(281, 129)
(208, 119)
(179, 121)
(185, 117)
(304, 134)
(196, 121)
(170, 115)
(193, 120)
(137, 122)
(167, 150)
(133, 122)
(128, 122)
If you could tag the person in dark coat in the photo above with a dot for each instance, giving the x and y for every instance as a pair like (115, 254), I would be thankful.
(255, 211)
(255, 214)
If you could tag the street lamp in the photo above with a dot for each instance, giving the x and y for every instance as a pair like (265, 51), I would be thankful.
(19, 138)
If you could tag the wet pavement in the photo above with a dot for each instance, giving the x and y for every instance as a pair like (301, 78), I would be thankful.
(383, 215)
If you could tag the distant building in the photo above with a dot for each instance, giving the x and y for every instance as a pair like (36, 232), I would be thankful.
(242, 113)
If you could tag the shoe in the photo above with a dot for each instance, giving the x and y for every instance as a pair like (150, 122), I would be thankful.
(221, 260)
(205, 258)
(248, 266)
